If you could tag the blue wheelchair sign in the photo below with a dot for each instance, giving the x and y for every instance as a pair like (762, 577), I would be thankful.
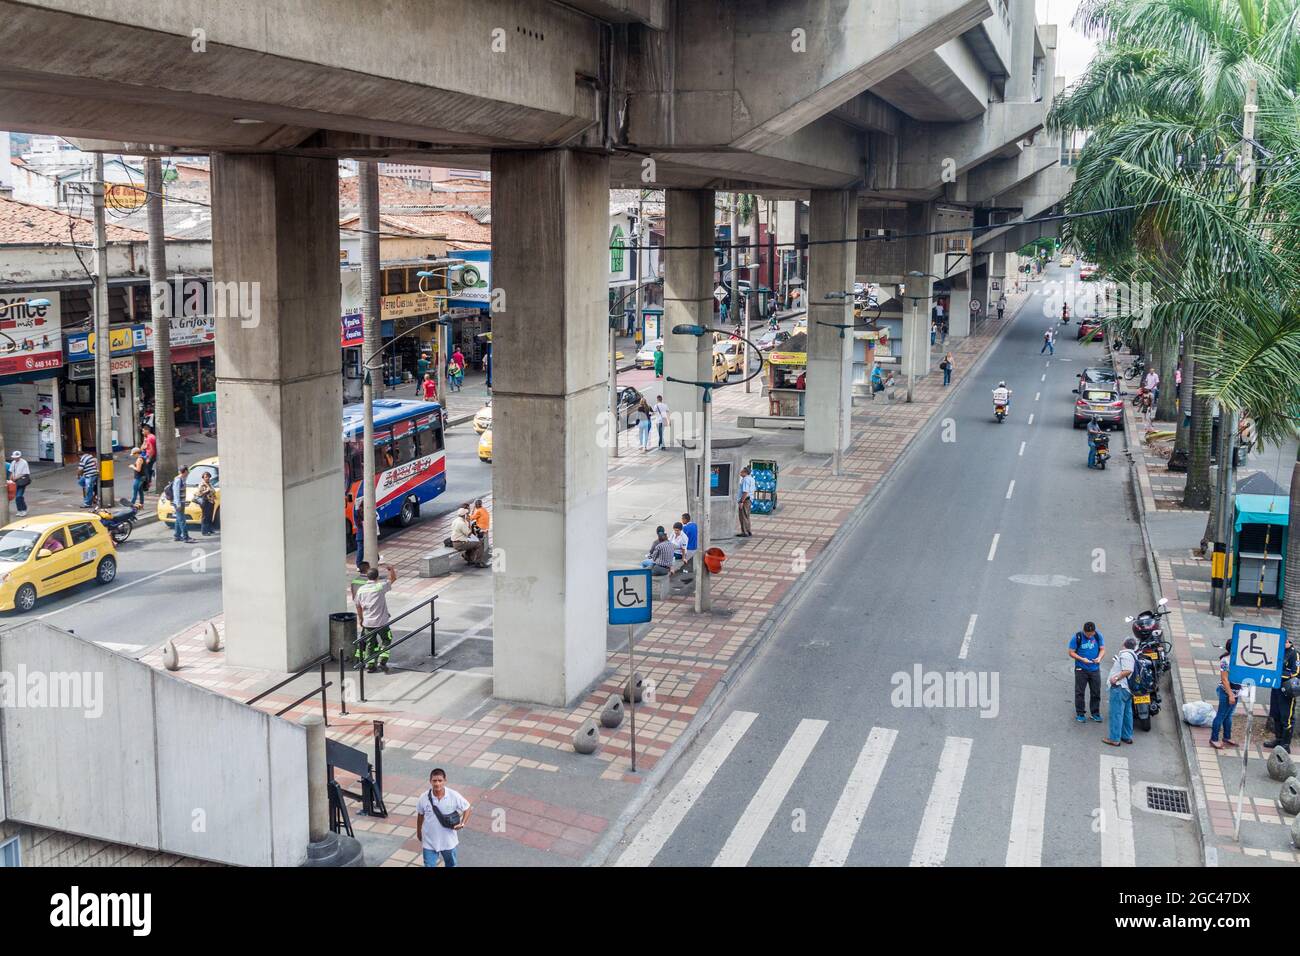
(630, 596)
(1257, 654)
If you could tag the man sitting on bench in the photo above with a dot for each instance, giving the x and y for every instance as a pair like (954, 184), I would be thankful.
(659, 559)
(463, 540)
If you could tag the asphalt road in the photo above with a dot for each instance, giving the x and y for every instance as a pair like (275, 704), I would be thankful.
(981, 557)
(164, 587)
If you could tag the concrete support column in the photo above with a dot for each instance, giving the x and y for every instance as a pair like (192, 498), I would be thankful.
(959, 285)
(279, 400)
(980, 288)
(688, 300)
(916, 311)
(833, 215)
(550, 212)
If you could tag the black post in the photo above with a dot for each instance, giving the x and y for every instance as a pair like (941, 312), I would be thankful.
(343, 689)
(379, 757)
(361, 671)
(433, 626)
(324, 711)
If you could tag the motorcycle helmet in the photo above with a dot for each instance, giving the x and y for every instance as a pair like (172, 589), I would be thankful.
(1002, 384)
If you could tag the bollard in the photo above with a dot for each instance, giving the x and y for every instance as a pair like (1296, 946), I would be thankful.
(587, 737)
(1280, 765)
(637, 681)
(1289, 798)
(612, 714)
(318, 801)
(171, 657)
(211, 639)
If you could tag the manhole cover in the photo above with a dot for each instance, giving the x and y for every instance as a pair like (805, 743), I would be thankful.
(1168, 800)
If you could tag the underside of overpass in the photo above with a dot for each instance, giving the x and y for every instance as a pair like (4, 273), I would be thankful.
(915, 113)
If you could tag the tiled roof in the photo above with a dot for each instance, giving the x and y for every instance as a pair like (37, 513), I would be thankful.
(393, 191)
(458, 227)
(27, 224)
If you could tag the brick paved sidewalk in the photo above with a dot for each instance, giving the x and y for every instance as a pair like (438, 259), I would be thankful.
(537, 801)
(1198, 637)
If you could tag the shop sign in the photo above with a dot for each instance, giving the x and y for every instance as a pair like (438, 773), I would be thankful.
(408, 303)
(351, 330)
(473, 286)
(31, 336)
(123, 340)
(188, 330)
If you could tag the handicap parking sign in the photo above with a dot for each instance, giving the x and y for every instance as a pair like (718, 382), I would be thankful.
(629, 596)
(1257, 654)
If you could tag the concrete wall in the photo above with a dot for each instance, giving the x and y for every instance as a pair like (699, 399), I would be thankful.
(143, 759)
(38, 846)
(27, 263)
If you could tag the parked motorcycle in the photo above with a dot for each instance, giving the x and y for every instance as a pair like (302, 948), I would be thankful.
(119, 522)
(1153, 654)
(1136, 370)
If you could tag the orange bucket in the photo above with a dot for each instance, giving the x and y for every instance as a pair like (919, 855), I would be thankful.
(713, 559)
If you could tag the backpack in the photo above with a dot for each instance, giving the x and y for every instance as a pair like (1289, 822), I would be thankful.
(1142, 679)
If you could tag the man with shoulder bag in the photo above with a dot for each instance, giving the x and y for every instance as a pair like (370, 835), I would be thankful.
(440, 816)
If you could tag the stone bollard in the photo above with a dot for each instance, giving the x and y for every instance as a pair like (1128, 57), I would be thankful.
(211, 639)
(1280, 765)
(171, 657)
(612, 714)
(587, 737)
(318, 800)
(637, 682)
(1295, 833)
(1289, 798)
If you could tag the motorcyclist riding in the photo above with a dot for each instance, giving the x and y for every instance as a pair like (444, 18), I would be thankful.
(1094, 429)
(1002, 395)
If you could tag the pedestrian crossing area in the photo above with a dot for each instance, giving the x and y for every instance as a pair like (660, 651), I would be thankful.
(762, 794)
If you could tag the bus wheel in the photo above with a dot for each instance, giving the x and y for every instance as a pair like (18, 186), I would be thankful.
(410, 511)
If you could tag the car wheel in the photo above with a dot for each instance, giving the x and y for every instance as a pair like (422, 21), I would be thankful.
(25, 599)
(410, 511)
(107, 569)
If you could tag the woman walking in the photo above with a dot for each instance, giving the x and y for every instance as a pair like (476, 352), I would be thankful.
(140, 473)
(1227, 704)
(946, 365)
(644, 416)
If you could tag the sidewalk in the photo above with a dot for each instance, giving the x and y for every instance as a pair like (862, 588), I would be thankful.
(537, 801)
(1172, 533)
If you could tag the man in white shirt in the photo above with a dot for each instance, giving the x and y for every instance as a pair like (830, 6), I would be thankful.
(744, 500)
(436, 839)
(20, 473)
(661, 417)
(464, 541)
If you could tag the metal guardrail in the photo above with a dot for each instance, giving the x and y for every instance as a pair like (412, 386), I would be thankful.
(320, 689)
(363, 639)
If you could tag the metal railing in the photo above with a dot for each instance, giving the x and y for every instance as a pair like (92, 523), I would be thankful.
(362, 659)
(320, 689)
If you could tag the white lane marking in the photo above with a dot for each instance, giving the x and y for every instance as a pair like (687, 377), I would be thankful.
(993, 548)
(647, 844)
(965, 641)
(129, 584)
(1116, 813)
(1031, 419)
(846, 818)
(758, 816)
(1049, 364)
(1044, 378)
(941, 809)
(1037, 395)
(1010, 488)
(1022, 449)
(1029, 812)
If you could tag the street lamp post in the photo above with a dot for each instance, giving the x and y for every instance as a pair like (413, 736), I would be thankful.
(703, 601)
(911, 348)
(11, 346)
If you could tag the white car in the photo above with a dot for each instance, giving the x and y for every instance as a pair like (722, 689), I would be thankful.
(645, 358)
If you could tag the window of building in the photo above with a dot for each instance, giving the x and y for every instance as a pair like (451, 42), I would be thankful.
(10, 853)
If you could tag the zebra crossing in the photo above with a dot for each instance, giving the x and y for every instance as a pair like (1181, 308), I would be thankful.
(736, 744)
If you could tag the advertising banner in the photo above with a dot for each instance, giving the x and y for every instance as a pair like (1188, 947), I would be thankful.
(31, 336)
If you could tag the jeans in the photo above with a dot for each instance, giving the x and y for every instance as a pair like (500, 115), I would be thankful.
(1091, 682)
(206, 526)
(947, 375)
(1121, 712)
(644, 428)
(1222, 717)
(87, 483)
(1092, 455)
(431, 857)
(660, 426)
(361, 547)
(182, 532)
(656, 570)
(20, 501)
(1047, 347)
(137, 489)
(933, 334)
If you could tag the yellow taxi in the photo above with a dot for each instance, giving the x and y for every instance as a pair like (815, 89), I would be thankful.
(720, 369)
(1067, 260)
(485, 446)
(167, 513)
(49, 553)
(483, 417)
(731, 350)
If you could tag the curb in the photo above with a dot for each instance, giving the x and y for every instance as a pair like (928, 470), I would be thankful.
(604, 849)
(1209, 852)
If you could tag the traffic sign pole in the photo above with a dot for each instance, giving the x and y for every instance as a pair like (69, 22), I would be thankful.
(631, 686)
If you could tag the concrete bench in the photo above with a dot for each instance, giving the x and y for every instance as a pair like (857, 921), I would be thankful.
(438, 563)
(769, 421)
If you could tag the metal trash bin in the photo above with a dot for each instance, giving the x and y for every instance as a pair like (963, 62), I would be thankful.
(343, 632)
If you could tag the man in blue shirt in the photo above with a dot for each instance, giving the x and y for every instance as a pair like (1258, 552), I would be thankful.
(744, 499)
(692, 532)
(1085, 649)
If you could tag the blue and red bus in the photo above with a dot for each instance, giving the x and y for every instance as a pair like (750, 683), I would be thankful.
(410, 457)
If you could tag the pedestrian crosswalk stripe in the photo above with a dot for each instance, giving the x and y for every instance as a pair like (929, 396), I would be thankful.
(647, 844)
(846, 818)
(941, 809)
(756, 818)
(1116, 813)
(1029, 812)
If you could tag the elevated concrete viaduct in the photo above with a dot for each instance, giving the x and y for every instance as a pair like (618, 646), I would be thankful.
(853, 104)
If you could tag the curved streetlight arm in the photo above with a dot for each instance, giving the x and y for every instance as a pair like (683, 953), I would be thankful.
(709, 386)
(415, 328)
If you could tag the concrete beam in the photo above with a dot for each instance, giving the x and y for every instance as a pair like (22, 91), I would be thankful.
(989, 182)
(935, 151)
(550, 375)
(948, 84)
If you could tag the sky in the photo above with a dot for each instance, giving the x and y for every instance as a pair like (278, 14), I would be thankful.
(1073, 49)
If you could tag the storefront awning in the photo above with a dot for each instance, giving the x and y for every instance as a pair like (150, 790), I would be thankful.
(1262, 509)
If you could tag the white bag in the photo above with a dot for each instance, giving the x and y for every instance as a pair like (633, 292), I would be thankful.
(1199, 713)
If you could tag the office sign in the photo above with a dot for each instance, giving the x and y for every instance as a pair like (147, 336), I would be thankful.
(31, 336)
